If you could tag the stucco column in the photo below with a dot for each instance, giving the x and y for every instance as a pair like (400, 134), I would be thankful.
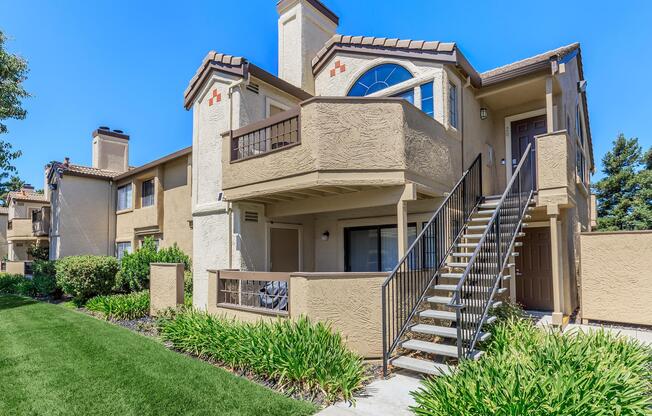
(557, 276)
(549, 106)
(512, 282)
(409, 194)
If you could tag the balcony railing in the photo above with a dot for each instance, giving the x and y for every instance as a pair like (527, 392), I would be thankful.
(41, 222)
(274, 133)
(260, 291)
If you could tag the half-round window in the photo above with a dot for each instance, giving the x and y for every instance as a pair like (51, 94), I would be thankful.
(379, 78)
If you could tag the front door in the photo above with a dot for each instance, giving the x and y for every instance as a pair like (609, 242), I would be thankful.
(284, 249)
(523, 132)
(534, 270)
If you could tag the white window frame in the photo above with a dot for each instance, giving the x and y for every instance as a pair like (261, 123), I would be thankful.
(128, 250)
(453, 109)
(142, 197)
(269, 102)
(130, 204)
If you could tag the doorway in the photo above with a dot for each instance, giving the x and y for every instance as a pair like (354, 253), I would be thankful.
(534, 270)
(523, 133)
(284, 248)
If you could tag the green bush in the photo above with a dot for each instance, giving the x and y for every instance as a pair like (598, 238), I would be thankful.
(529, 371)
(83, 277)
(299, 355)
(44, 280)
(134, 267)
(130, 306)
(15, 284)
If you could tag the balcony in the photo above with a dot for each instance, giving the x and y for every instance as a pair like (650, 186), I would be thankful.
(41, 222)
(338, 145)
(19, 228)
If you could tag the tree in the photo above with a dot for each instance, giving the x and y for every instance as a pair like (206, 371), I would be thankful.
(624, 195)
(13, 72)
(13, 184)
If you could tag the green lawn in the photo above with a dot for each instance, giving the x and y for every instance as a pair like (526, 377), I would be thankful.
(55, 361)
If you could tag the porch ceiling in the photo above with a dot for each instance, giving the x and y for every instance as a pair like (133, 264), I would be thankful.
(516, 93)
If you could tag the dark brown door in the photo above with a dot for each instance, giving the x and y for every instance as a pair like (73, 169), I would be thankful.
(523, 132)
(284, 249)
(534, 270)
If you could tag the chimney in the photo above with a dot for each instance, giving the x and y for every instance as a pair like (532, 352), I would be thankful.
(66, 161)
(26, 188)
(304, 26)
(110, 149)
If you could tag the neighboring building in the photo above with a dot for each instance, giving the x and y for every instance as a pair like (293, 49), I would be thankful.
(4, 244)
(93, 214)
(28, 222)
(337, 164)
(153, 200)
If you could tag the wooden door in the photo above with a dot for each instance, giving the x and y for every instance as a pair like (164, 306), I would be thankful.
(284, 249)
(523, 132)
(534, 270)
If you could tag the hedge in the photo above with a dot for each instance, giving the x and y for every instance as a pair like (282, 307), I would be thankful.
(83, 277)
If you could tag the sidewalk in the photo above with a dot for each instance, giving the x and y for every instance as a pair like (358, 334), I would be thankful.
(389, 397)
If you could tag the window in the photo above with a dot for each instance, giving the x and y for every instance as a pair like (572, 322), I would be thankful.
(124, 197)
(578, 123)
(580, 164)
(452, 104)
(379, 78)
(147, 193)
(406, 95)
(373, 248)
(427, 99)
(122, 249)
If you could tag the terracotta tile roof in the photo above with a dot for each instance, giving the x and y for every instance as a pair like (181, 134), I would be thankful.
(239, 66)
(418, 45)
(80, 170)
(29, 196)
(212, 57)
(490, 76)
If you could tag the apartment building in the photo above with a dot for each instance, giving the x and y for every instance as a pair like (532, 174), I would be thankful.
(393, 164)
(108, 207)
(28, 221)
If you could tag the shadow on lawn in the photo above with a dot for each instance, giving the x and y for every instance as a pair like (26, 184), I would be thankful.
(11, 302)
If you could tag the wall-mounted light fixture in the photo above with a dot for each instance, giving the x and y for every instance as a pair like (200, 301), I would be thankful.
(325, 235)
(483, 113)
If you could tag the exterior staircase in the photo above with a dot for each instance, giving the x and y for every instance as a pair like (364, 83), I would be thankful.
(438, 300)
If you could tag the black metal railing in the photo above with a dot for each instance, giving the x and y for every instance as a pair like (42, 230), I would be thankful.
(482, 276)
(406, 286)
(273, 133)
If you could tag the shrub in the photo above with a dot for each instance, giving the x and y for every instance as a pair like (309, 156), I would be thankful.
(83, 277)
(134, 267)
(44, 280)
(15, 284)
(130, 306)
(531, 371)
(38, 252)
(299, 356)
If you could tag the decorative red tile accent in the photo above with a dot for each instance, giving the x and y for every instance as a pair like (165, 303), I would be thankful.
(339, 66)
(216, 97)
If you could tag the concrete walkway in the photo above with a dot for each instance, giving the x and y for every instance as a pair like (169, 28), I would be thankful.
(389, 397)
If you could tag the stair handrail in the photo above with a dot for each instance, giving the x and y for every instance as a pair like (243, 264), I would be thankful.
(501, 257)
(466, 194)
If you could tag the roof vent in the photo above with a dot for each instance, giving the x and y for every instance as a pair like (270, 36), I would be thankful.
(251, 216)
(253, 87)
(104, 128)
(118, 131)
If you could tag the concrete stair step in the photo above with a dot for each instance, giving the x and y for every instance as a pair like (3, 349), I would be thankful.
(438, 349)
(452, 275)
(440, 331)
(421, 366)
(451, 316)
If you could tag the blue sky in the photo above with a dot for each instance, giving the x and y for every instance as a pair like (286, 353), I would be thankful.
(125, 64)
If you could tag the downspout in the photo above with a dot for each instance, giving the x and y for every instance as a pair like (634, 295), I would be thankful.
(229, 205)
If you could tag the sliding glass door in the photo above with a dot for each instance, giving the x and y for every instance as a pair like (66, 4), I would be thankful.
(373, 248)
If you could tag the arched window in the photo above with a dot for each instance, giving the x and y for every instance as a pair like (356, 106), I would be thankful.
(379, 78)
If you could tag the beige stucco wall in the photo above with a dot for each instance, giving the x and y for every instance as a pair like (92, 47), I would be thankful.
(169, 218)
(15, 267)
(3, 237)
(617, 277)
(350, 302)
(555, 174)
(83, 217)
(387, 135)
(165, 286)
